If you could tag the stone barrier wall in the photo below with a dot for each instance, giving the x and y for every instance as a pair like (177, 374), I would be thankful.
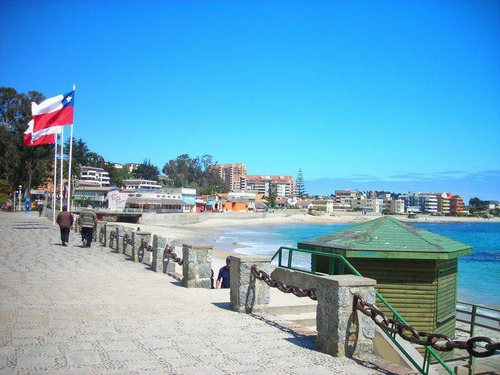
(342, 331)
(197, 266)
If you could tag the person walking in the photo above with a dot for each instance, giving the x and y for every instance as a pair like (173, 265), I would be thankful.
(39, 207)
(64, 219)
(88, 222)
(224, 275)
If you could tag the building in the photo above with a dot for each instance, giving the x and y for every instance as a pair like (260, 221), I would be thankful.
(135, 201)
(243, 196)
(285, 185)
(143, 185)
(325, 205)
(456, 205)
(92, 176)
(368, 204)
(428, 202)
(230, 174)
(84, 195)
(409, 263)
(397, 206)
(443, 203)
(343, 199)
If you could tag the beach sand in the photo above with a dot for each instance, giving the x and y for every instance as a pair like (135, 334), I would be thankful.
(209, 231)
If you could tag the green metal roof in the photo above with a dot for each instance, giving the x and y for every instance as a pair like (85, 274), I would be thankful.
(387, 237)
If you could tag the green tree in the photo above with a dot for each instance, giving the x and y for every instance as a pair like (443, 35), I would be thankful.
(196, 173)
(301, 189)
(117, 175)
(21, 165)
(272, 195)
(147, 171)
(476, 204)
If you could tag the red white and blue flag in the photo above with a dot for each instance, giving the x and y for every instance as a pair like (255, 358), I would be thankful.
(56, 111)
(41, 137)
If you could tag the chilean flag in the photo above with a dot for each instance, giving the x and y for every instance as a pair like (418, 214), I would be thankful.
(56, 111)
(41, 137)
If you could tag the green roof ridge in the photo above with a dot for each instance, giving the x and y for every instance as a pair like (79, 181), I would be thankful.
(389, 237)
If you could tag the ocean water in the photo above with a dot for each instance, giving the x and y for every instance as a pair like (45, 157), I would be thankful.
(478, 273)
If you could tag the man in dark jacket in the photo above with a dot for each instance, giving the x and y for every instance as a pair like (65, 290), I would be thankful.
(88, 222)
(64, 219)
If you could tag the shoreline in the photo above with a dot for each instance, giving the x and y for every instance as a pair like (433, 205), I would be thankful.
(209, 231)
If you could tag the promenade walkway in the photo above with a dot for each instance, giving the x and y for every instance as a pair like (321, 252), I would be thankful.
(74, 310)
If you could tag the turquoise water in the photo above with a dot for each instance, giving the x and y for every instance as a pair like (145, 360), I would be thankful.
(478, 273)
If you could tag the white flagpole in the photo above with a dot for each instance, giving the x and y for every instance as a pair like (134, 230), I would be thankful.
(61, 171)
(54, 188)
(70, 159)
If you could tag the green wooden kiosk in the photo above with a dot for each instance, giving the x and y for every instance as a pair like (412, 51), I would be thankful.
(416, 270)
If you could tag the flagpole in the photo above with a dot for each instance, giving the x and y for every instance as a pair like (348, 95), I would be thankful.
(61, 171)
(55, 184)
(70, 159)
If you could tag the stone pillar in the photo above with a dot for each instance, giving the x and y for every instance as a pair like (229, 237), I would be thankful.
(342, 331)
(108, 228)
(247, 293)
(126, 247)
(197, 266)
(137, 237)
(112, 242)
(120, 231)
(159, 263)
(100, 235)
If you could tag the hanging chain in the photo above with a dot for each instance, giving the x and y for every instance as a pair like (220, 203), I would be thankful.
(296, 291)
(435, 340)
(168, 252)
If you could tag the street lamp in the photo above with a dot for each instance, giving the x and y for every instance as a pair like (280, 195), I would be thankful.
(20, 192)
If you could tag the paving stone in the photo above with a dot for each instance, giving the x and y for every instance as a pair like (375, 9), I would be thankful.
(70, 310)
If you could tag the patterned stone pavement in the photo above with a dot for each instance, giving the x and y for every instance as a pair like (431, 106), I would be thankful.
(74, 310)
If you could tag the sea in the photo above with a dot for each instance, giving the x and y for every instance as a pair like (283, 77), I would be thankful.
(478, 273)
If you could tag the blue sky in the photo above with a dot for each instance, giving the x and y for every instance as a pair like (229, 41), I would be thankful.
(370, 95)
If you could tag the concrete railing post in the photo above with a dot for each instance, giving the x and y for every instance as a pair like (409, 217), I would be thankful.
(341, 330)
(108, 228)
(137, 237)
(197, 266)
(98, 235)
(126, 247)
(158, 264)
(247, 293)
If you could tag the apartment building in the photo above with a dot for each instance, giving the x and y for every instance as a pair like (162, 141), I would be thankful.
(285, 185)
(92, 176)
(456, 205)
(443, 203)
(230, 174)
(139, 184)
(428, 202)
(344, 199)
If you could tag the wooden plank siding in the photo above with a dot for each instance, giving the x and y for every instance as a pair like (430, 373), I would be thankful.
(422, 292)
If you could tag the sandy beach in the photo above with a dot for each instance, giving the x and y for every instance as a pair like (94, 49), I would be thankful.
(209, 231)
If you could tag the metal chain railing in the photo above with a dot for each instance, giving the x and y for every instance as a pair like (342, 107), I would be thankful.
(169, 252)
(144, 247)
(435, 340)
(101, 234)
(296, 291)
(112, 236)
(127, 240)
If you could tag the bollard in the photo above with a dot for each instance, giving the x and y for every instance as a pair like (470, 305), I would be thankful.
(113, 235)
(342, 332)
(247, 293)
(197, 266)
(137, 236)
(99, 234)
(161, 262)
(126, 246)
(108, 228)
